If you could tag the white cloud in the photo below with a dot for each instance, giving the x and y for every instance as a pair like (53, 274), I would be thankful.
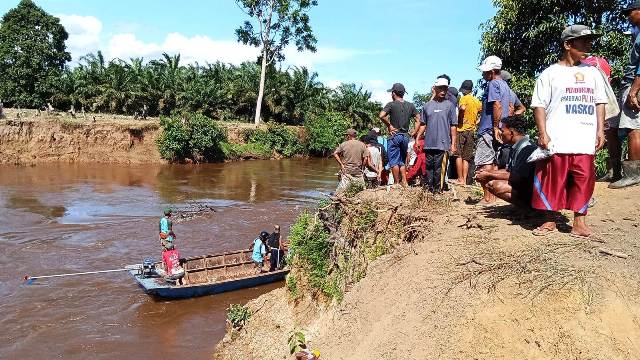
(378, 90)
(84, 34)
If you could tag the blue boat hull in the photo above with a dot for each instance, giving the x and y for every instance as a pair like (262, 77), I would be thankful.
(158, 287)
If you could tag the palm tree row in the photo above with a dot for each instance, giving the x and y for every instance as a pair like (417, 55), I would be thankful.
(218, 90)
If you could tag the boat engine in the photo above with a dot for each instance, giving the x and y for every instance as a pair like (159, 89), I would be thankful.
(148, 267)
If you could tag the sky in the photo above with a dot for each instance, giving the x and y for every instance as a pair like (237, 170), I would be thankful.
(373, 43)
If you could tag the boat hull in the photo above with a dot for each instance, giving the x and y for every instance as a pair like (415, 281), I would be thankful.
(157, 287)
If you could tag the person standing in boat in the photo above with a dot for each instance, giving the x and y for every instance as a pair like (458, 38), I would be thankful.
(276, 245)
(259, 247)
(167, 236)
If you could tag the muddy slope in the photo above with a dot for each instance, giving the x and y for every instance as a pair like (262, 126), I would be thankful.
(30, 139)
(479, 286)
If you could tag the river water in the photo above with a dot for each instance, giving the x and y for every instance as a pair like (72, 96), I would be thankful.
(71, 218)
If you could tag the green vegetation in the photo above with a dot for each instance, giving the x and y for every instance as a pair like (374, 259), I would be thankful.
(310, 247)
(238, 315)
(278, 138)
(32, 55)
(325, 132)
(297, 342)
(353, 189)
(193, 137)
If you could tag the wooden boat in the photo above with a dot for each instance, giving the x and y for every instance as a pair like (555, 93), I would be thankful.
(204, 275)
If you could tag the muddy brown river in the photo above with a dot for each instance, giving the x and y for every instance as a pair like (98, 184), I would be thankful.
(71, 218)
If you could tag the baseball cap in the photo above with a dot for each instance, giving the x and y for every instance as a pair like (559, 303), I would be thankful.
(491, 63)
(576, 31)
(505, 75)
(398, 88)
(441, 82)
(633, 6)
(466, 85)
(351, 132)
(167, 211)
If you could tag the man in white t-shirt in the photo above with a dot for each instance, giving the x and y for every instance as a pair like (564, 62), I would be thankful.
(373, 165)
(569, 108)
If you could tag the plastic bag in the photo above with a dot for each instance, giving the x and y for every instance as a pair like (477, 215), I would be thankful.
(541, 154)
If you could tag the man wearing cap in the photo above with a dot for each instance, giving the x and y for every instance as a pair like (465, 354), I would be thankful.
(439, 120)
(468, 109)
(166, 231)
(495, 107)
(351, 155)
(569, 107)
(396, 116)
(629, 123)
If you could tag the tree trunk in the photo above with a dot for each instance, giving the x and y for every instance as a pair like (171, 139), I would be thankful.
(263, 74)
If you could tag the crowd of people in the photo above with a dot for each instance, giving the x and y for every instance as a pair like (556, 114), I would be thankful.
(576, 113)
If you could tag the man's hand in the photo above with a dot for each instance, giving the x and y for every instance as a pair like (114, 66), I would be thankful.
(497, 134)
(392, 130)
(544, 140)
(600, 138)
(632, 103)
(481, 176)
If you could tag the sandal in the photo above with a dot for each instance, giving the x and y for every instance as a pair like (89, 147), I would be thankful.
(543, 231)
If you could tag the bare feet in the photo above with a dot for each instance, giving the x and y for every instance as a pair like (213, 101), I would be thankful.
(580, 227)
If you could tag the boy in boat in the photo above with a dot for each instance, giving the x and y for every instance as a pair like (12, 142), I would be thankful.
(166, 230)
(275, 243)
(171, 260)
(259, 247)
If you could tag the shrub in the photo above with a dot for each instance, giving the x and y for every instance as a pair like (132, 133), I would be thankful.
(238, 315)
(234, 151)
(326, 132)
(311, 249)
(278, 138)
(194, 137)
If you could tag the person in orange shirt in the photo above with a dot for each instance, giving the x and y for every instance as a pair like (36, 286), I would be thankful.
(468, 109)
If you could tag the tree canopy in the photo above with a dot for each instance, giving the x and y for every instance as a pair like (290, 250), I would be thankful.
(525, 34)
(273, 25)
(32, 55)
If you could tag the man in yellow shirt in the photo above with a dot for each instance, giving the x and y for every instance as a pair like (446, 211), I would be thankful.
(469, 108)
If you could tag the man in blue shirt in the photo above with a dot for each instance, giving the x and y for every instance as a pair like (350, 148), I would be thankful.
(630, 107)
(495, 107)
(166, 231)
(439, 120)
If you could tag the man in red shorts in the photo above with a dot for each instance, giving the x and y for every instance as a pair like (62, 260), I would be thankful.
(569, 108)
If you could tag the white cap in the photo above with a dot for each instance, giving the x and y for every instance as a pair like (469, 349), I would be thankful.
(441, 82)
(491, 63)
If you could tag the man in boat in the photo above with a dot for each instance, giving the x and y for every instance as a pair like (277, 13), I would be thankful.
(276, 245)
(167, 235)
(259, 247)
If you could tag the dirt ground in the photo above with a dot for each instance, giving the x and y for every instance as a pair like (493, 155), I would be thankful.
(480, 286)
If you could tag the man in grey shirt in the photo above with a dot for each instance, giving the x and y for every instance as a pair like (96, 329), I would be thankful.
(438, 122)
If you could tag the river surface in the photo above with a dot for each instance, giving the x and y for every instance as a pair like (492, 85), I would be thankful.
(70, 218)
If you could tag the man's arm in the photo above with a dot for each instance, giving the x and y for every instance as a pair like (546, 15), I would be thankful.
(632, 99)
(421, 130)
(600, 113)
(336, 155)
(454, 138)
(384, 116)
(540, 115)
(415, 129)
(497, 116)
(519, 109)
(488, 175)
(461, 110)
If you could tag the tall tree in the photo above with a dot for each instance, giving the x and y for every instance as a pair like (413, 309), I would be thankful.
(526, 35)
(32, 55)
(273, 25)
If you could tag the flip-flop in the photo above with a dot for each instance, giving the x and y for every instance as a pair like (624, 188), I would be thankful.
(541, 231)
(593, 237)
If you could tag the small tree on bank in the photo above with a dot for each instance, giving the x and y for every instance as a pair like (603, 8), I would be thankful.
(32, 55)
(274, 25)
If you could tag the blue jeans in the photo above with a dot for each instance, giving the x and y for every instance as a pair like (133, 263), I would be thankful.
(397, 151)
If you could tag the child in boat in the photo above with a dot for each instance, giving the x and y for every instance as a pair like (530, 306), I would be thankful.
(259, 248)
(166, 230)
(171, 260)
